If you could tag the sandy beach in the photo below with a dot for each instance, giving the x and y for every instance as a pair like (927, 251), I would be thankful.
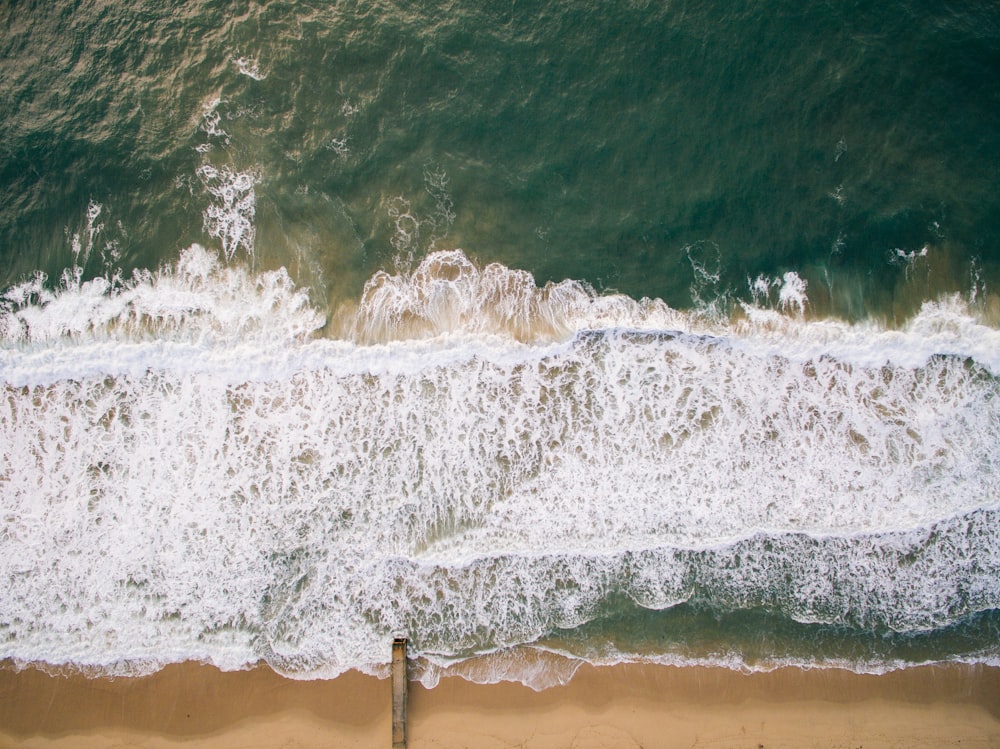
(193, 705)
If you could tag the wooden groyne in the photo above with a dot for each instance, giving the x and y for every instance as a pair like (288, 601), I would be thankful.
(399, 693)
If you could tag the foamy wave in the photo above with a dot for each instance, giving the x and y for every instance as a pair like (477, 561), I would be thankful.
(448, 295)
(451, 303)
(534, 667)
(544, 667)
(189, 473)
(250, 67)
(734, 661)
(945, 327)
(197, 300)
(230, 216)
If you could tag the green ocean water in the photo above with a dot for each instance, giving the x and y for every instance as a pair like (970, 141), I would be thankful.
(613, 142)
(791, 457)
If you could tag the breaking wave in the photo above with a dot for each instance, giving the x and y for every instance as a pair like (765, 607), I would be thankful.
(195, 470)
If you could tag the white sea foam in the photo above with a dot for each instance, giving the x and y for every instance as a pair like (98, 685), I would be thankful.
(230, 215)
(198, 301)
(82, 247)
(210, 124)
(791, 291)
(250, 67)
(534, 667)
(190, 473)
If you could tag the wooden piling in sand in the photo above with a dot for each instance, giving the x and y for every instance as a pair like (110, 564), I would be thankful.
(399, 693)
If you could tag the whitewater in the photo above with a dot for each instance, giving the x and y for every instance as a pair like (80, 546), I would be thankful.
(198, 465)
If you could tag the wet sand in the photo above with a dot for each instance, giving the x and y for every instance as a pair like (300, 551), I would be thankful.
(192, 705)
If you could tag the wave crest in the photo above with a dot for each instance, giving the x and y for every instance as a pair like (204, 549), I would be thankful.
(199, 299)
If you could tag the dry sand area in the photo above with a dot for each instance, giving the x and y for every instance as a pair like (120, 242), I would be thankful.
(621, 707)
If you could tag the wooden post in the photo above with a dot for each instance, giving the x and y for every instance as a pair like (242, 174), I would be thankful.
(399, 693)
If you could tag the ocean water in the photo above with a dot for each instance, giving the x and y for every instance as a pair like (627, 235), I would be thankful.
(541, 333)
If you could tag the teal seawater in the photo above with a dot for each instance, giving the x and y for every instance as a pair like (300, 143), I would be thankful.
(611, 142)
(217, 490)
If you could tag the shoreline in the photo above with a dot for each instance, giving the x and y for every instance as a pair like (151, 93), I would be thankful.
(630, 705)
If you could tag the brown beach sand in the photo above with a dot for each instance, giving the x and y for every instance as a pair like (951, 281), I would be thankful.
(191, 705)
